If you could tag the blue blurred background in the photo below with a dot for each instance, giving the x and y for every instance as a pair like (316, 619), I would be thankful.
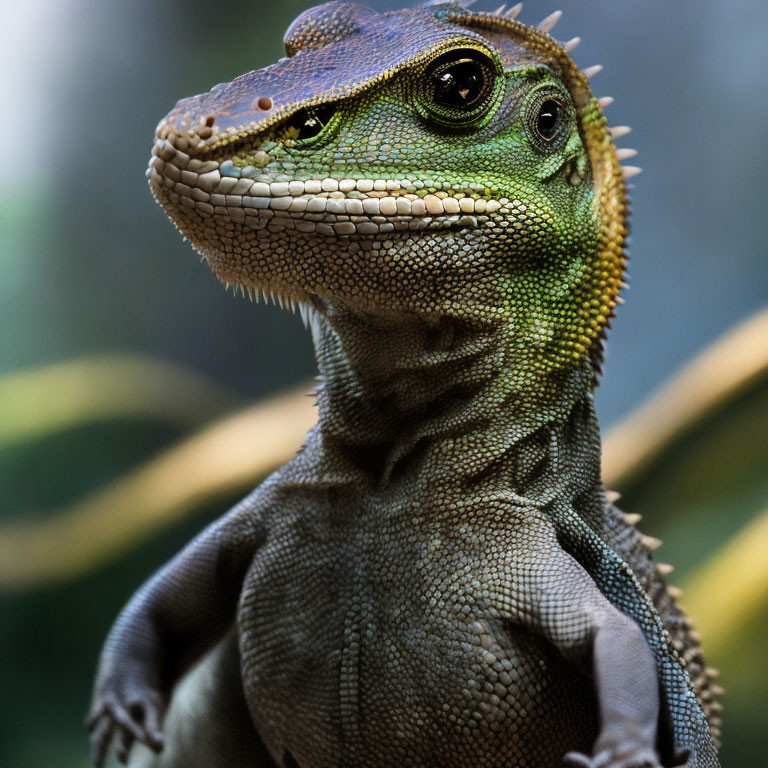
(89, 264)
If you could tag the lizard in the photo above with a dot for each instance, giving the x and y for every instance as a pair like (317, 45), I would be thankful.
(438, 577)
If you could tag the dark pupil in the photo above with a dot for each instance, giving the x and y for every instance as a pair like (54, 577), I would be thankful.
(310, 121)
(549, 117)
(459, 85)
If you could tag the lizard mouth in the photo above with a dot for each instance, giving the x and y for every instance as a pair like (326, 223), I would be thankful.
(325, 206)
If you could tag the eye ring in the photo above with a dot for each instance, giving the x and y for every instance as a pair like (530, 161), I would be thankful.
(459, 88)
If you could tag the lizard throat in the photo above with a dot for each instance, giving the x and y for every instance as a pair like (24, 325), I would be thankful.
(401, 392)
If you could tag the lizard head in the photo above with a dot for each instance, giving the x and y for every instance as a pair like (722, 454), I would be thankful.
(432, 161)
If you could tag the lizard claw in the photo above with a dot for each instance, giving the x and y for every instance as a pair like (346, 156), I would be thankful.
(641, 757)
(138, 720)
(577, 760)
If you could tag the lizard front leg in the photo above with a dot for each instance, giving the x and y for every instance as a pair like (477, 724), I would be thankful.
(627, 690)
(170, 622)
(562, 602)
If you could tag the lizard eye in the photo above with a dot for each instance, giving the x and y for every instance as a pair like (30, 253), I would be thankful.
(308, 123)
(458, 87)
(548, 119)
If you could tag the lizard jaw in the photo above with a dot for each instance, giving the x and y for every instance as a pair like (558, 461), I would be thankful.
(192, 188)
(296, 240)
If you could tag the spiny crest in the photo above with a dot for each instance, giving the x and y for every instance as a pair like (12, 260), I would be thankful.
(687, 644)
(510, 14)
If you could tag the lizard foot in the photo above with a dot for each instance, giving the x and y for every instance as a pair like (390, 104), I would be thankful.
(137, 719)
(636, 757)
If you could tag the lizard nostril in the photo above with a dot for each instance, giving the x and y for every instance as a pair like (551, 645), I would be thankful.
(265, 103)
(209, 121)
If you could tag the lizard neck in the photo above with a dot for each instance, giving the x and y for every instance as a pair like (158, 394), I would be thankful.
(414, 399)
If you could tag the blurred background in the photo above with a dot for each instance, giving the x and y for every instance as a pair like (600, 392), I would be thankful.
(116, 343)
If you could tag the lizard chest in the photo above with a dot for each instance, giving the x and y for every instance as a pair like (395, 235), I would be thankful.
(386, 646)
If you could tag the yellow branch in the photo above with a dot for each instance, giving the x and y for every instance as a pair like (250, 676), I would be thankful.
(64, 395)
(720, 373)
(225, 457)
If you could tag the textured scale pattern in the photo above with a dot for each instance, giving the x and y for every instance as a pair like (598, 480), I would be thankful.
(439, 577)
(417, 643)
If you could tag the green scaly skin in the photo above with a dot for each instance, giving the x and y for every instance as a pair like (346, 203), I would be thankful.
(437, 579)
